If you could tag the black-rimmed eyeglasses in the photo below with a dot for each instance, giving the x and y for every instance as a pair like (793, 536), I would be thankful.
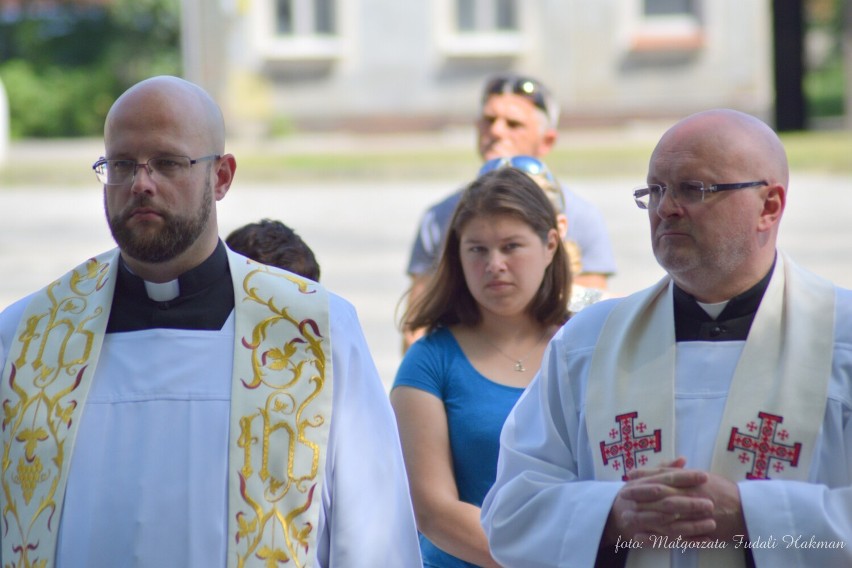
(684, 193)
(123, 172)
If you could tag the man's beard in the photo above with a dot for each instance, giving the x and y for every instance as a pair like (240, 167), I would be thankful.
(176, 236)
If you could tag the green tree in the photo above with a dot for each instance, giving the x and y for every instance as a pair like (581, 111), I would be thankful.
(63, 66)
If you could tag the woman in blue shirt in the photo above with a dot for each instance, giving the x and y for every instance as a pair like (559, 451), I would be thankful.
(499, 294)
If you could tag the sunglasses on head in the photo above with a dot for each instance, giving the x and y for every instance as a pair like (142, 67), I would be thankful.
(527, 164)
(534, 168)
(523, 86)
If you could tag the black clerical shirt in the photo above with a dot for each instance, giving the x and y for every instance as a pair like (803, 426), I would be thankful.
(692, 323)
(205, 301)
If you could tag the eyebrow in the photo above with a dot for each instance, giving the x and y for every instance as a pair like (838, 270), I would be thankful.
(512, 237)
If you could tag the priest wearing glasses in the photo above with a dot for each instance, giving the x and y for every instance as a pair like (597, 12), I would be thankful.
(706, 420)
(172, 403)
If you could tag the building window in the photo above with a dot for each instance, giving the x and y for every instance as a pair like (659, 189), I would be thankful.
(304, 17)
(474, 16)
(668, 7)
(298, 31)
(668, 26)
(324, 16)
(479, 28)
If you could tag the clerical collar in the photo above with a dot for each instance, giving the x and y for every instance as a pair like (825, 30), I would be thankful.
(692, 323)
(163, 291)
(713, 310)
(204, 301)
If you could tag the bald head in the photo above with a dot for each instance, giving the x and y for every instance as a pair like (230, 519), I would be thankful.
(170, 99)
(718, 244)
(164, 217)
(731, 141)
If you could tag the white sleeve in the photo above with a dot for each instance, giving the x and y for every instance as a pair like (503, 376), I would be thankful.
(542, 511)
(802, 524)
(368, 516)
(9, 319)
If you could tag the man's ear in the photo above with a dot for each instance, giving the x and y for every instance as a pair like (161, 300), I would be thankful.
(548, 139)
(773, 206)
(224, 175)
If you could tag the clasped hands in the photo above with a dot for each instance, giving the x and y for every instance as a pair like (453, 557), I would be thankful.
(673, 501)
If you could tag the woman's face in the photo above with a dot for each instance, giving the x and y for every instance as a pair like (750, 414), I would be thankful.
(504, 262)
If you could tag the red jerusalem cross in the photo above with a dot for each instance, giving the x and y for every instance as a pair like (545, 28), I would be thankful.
(762, 447)
(629, 444)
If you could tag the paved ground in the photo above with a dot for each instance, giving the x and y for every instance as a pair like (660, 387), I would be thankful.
(361, 235)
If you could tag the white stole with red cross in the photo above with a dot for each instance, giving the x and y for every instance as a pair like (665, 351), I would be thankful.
(775, 404)
(280, 411)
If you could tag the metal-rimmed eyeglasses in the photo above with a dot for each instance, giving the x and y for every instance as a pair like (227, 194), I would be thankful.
(123, 172)
(684, 193)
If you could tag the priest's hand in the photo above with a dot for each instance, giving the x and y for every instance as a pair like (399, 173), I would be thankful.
(673, 501)
(727, 512)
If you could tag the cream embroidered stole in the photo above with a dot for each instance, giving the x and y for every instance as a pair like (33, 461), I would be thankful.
(280, 411)
(775, 404)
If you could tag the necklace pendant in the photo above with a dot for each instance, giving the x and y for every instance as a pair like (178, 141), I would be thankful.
(519, 366)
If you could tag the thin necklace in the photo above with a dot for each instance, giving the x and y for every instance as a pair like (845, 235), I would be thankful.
(518, 363)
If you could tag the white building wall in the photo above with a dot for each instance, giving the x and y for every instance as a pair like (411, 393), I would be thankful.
(399, 64)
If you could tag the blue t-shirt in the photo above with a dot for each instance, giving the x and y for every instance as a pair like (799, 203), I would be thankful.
(586, 227)
(476, 410)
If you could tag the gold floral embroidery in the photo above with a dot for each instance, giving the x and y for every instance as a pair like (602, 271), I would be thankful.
(46, 367)
(284, 394)
(288, 373)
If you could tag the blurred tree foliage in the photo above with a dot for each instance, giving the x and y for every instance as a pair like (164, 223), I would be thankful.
(64, 65)
(824, 79)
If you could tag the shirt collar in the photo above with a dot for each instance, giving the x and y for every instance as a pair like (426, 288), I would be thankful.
(692, 323)
(206, 298)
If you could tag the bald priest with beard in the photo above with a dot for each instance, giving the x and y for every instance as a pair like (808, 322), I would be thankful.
(170, 403)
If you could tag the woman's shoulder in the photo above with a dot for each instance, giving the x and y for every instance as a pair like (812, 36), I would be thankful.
(428, 360)
(440, 340)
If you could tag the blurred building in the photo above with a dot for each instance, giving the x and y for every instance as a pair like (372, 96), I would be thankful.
(406, 64)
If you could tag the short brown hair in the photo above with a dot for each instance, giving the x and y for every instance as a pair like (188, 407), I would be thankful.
(275, 244)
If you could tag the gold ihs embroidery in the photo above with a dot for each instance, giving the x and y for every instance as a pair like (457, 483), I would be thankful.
(281, 452)
(39, 415)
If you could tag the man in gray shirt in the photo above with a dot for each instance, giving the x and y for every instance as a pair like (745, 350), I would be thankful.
(518, 116)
